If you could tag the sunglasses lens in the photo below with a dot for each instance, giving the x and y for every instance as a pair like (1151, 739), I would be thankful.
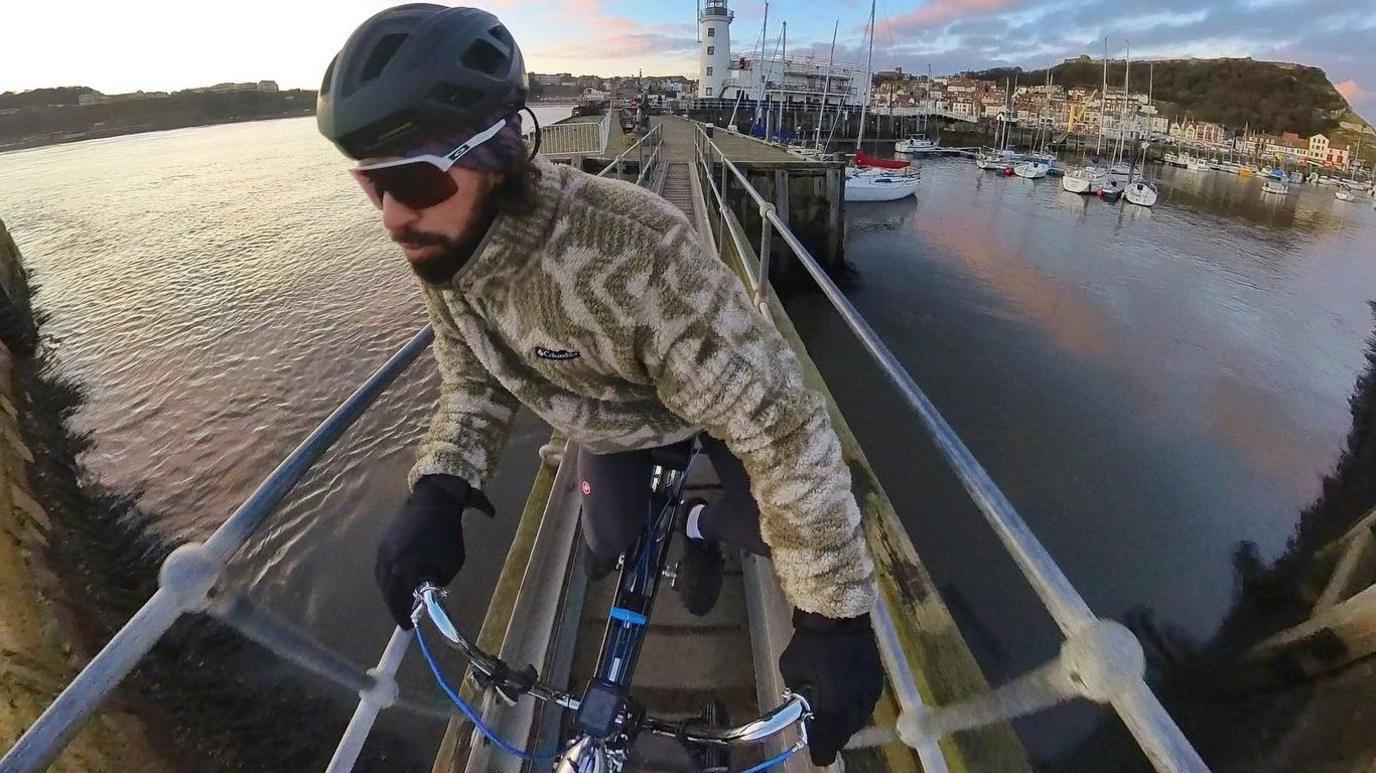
(415, 186)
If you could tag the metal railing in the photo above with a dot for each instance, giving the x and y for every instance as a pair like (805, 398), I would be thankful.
(574, 138)
(1099, 659)
(651, 142)
(188, 576)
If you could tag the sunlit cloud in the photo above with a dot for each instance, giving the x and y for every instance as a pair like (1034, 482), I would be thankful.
(1355, 94)
(937, 12)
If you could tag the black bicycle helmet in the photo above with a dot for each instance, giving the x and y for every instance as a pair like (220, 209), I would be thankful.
(415, 70)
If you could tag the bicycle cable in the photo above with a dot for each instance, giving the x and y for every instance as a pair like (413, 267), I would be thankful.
(469, 712)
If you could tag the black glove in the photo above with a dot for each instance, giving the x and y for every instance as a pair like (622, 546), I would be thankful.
(835, 665)
(425, 541)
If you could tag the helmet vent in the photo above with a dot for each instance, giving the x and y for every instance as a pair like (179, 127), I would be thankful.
(458, 96)
(484, 57)
(382, 53)
(499, 32)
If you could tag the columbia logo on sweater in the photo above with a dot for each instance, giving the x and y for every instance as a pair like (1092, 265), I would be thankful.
(556, 354)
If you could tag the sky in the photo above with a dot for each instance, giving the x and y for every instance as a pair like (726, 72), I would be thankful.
(164, 45)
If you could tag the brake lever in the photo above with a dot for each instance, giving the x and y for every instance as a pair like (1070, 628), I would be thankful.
(509, 684)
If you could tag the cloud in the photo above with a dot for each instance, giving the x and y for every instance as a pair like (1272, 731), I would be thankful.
(937, 12)
(1353, 93)
(589, 33)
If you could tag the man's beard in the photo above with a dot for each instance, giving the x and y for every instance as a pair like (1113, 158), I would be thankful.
(439, 267)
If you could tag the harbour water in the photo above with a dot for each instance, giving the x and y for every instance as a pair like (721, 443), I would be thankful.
(1149, 386)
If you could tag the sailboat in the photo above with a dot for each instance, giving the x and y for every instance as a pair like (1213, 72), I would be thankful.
(1139, 192)
(882, 184)
(1032, 169)
(1091, 177)
(1036, 164)
(920, 142)
(999, 158)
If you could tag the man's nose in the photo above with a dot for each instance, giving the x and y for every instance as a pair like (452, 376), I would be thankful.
(395, 215)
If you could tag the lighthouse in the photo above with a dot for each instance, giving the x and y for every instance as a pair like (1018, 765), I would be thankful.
(714, 47)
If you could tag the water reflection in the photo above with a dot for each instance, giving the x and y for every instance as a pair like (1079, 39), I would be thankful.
(1149, 387)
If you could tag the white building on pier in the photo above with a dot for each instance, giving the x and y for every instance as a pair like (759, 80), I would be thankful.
(797, 81)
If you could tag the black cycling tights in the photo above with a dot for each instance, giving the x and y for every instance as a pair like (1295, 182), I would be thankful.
(616, 502)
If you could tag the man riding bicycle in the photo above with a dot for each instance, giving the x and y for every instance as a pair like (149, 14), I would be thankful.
(593, 303)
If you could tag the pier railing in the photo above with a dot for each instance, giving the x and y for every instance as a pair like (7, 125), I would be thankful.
(576, 138)
(1099, 659)
(646, 152)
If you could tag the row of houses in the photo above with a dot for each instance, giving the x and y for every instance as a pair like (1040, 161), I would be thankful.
(1084, 110)
(1075, 109)
(1316, 149)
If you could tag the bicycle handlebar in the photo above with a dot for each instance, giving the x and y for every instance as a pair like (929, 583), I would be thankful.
(512, 683)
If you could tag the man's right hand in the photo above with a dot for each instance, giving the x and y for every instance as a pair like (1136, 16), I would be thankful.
(425, 541)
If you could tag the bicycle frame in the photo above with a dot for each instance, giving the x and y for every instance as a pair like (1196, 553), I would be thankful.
(606, 720)
(642, 569)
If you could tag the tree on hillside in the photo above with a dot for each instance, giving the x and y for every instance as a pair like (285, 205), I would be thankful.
(61, 95)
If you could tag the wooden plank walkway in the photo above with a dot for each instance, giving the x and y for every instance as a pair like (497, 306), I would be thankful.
(678, 142)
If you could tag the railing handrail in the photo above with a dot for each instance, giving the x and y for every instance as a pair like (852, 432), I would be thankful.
(653, 135)
(189, 573)
(1094, 650)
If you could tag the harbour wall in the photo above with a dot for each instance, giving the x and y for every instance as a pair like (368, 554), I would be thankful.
(40, 649)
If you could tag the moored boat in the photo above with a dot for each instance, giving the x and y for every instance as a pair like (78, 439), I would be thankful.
(1141, 193)
(917, 143)
(1083, 180)
(880, 186)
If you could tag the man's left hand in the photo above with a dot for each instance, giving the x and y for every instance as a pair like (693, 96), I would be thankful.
(835, 664)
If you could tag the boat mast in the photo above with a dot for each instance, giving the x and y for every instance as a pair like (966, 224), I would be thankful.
(783, 78)
(826, 84)
(1123, 123)
(869, 81)
(764, 37)
(927, 110)
(1103, 104)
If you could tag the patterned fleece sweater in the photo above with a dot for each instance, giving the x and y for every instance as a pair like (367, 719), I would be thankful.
(603, 313)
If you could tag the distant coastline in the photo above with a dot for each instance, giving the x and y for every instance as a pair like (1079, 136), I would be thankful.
(104, 132)
(64, 119)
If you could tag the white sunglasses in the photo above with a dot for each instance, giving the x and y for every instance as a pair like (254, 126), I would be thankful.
(418, 182)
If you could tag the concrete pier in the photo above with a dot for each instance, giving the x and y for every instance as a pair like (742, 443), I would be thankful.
(809, 195)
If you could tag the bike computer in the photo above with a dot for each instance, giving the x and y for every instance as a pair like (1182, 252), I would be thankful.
(600, 708)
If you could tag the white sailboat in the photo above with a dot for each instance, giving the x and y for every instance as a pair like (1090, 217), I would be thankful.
(1091, 177)
(917, 143)
(875, 184)
(1141, 193)
(1084, 180)
(1121, 170)
(1031, 169)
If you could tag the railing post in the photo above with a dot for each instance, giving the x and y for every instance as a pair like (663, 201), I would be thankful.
(721, 211)
(766, 231)
(381, 694)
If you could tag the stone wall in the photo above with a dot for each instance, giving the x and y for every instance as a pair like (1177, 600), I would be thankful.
(38, 652)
